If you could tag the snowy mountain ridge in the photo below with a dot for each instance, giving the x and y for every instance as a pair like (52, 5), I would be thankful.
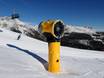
(16, 25)
(8, 22)
(79, 29)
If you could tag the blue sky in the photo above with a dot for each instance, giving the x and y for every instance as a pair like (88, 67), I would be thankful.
(76, 12)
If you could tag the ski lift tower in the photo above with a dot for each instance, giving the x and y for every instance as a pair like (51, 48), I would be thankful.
(14, 15)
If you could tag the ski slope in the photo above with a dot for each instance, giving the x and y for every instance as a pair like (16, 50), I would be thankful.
(27, 58)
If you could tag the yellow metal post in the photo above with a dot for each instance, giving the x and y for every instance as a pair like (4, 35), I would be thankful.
(54, 57)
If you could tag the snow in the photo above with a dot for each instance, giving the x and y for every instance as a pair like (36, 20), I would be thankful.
(8, 23)
(79, 29)
(28, 58)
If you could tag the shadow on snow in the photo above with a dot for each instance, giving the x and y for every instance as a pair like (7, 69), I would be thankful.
(40, 59)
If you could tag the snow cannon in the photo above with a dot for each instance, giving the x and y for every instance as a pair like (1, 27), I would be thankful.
(53, 30)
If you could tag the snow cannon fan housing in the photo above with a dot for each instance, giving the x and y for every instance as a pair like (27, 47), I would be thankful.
(53, 30)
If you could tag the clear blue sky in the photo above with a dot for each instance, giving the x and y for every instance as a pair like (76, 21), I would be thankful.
(76, 12)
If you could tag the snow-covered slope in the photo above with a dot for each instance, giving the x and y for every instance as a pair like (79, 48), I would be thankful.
(27, 58)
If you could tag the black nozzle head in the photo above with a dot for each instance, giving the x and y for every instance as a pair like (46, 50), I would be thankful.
(59, 29)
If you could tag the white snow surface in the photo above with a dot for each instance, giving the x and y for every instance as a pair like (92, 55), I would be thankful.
(27, 58)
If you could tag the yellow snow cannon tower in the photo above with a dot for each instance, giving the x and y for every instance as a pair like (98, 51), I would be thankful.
(53, 30)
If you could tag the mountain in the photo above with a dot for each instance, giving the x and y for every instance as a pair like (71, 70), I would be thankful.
(83, 38)
(16, 25)
(79, 29)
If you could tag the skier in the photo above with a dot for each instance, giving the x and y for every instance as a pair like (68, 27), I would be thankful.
(19, 36)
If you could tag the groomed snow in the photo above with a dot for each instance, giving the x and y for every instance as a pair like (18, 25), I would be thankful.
(27, 58)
